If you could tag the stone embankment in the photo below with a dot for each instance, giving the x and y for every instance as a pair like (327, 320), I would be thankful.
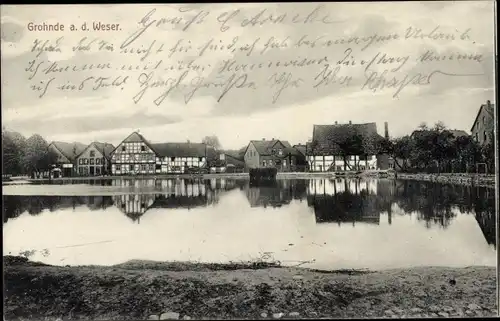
(451, 178)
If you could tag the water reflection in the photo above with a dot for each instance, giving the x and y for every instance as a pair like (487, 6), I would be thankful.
(389, 206)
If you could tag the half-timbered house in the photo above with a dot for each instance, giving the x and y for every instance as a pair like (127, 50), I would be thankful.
(134, 156)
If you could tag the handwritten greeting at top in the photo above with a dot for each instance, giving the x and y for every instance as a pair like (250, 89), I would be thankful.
(268, 53)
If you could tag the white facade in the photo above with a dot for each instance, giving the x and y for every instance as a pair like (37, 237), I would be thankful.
(336, 163)
(177, 165)
(336, 186)
(132, 158)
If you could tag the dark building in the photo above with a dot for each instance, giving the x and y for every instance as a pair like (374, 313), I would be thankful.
(483, 126)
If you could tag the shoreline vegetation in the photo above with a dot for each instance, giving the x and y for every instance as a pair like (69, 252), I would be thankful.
(260, 290)
(482, 180)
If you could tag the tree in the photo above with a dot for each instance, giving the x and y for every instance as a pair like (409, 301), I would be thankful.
(13, 146)
(212, 141)
(402, 151)
(37, 155)
(349, 143)
(488, 153)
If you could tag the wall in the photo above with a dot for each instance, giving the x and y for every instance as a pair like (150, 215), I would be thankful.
(251, 157)
(137, 158)
(326, 163)
(178, 164)
(483, 127)
(92, 163)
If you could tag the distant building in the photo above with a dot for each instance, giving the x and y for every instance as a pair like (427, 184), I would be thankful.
(66, 156)
(324, 153)
(133, 156)
(229, 161)
(95, 160)
(271, 153)
(483, 126)
(181, 157)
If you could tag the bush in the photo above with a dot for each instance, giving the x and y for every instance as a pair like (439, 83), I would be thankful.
(266, 173)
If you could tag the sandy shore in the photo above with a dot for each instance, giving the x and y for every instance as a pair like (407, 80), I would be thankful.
(152, 290)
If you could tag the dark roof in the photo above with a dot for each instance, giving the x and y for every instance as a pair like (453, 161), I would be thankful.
(324, 137)
(105, 149)
(69, 150)
(236, 161)
(182, 149)
(300, 148)
(458, 132)
(265, 147)
(489, 109)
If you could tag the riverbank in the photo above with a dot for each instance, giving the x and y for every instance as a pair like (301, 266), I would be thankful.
(151, 290)
(452, 178)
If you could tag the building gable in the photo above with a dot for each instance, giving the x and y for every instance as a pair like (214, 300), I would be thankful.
(61, 158)
(133, 138)
(91, 147)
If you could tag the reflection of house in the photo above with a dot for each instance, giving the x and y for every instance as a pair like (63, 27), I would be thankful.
(271, 153)
(134, 155)
(330, 142)
(95, 160)
(274, 194)
(345, 201)
(483, 126)
(180, 157)
(66, 156)
(134, 205)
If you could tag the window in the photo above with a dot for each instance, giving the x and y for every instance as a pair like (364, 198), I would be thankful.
(131, 167)
(85, 161)
(172, 159)
(200, 159)
(280, 151)
(123, 148)
(264, 163)
(118, 167)
(151, 167)
(80, 171)
(143, 167)
(98, 161)
(91, 161)
(485, 138)
(92, 153)
(80, 161)
(158, 166)
(143, 148)
(484, 119)
(477, 137)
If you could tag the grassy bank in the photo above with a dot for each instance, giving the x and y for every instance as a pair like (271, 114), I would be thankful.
(141, 290)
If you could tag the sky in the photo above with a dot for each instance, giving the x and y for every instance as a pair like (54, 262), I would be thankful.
(110, 114)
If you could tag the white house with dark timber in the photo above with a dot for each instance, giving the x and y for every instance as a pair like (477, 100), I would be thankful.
(328, 150)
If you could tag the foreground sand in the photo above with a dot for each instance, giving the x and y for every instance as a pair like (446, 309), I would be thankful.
(151, 290)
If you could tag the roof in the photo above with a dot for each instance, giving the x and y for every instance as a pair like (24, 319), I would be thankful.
(301, 149)
(325, 136)
(265, 147)
(104, 148)
(132, 138)
(69, 150)
(182, 149)
(489, 108)
(458, 132)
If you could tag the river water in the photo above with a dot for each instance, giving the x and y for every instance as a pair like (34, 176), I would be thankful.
(320, 223)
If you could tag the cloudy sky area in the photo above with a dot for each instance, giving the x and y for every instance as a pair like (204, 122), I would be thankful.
(244, 114)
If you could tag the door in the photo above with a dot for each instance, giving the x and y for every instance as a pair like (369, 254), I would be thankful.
(92, 170)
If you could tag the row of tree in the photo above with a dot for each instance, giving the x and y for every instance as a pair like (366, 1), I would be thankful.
(437, 149)
(23, 156)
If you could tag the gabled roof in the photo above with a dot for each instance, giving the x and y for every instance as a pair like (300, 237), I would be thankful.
(324, 137)
(69, 150)
(458, 132)
(132, 138)
(265, 147)
(489, 108)
(300, 148)
(104, 148)
(182, 149)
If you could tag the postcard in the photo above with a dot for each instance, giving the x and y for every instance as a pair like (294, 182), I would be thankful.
(249, 160)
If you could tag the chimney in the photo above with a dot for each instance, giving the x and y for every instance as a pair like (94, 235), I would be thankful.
(350, 122)
(488, 103)
(272, 139)
(386, 129)
(336, 122)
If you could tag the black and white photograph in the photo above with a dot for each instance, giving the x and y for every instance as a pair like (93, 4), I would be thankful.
(222, 161)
